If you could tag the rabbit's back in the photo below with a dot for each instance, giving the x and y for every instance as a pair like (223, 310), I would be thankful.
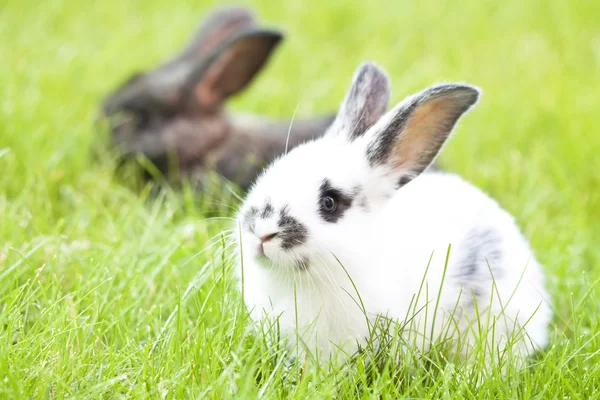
(442, 221)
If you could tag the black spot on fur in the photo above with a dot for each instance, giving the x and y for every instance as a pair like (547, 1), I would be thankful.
(292, 233)
(343, 200)
(481, 253)
(250, 218)
(267, 211)
(483, 247)
(403, 181)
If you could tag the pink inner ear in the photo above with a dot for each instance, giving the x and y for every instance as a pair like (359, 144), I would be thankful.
(207, 91)
(233, 68)
(422, 134)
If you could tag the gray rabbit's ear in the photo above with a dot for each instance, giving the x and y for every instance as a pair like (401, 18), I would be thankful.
(164, 87)
(408, 138)
(220, 26)
(364, 104)
(232, 67)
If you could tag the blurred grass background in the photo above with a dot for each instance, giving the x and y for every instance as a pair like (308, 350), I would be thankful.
(90, 270)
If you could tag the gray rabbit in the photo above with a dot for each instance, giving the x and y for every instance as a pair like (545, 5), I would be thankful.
(177, 112)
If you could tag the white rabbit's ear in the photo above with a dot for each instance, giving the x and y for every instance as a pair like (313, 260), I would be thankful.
(409, 137)
(364, 104)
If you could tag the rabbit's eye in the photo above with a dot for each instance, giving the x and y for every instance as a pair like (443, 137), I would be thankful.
(329, 204)
(334, 202)
(142, 119)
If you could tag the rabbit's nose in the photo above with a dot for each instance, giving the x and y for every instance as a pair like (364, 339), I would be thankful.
(267, 237)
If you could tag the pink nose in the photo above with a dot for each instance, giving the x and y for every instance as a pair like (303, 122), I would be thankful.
(263, 239)
(266, 238)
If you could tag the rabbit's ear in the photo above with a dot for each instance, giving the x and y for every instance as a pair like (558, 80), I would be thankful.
(409, 137)
(232, 67)
(364, 104)
(216, 29)
(163, 87)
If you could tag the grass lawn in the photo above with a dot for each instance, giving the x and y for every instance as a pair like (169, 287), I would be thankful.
(105, 293)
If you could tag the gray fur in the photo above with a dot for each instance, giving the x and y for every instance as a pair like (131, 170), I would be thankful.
(481, 253)
(267, 210)
(250, 218)
(175, 114)
(404, 180)
(363, 203)
(365, 102)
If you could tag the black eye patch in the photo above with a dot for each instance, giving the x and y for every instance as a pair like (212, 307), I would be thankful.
(292, 233)
(333, 202)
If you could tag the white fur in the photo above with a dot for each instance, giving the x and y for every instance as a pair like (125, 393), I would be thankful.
(385, 249)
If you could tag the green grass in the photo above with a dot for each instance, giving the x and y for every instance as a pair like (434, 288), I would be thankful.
(105, 293)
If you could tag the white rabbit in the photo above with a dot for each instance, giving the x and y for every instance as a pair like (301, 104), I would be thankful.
(344, 228)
